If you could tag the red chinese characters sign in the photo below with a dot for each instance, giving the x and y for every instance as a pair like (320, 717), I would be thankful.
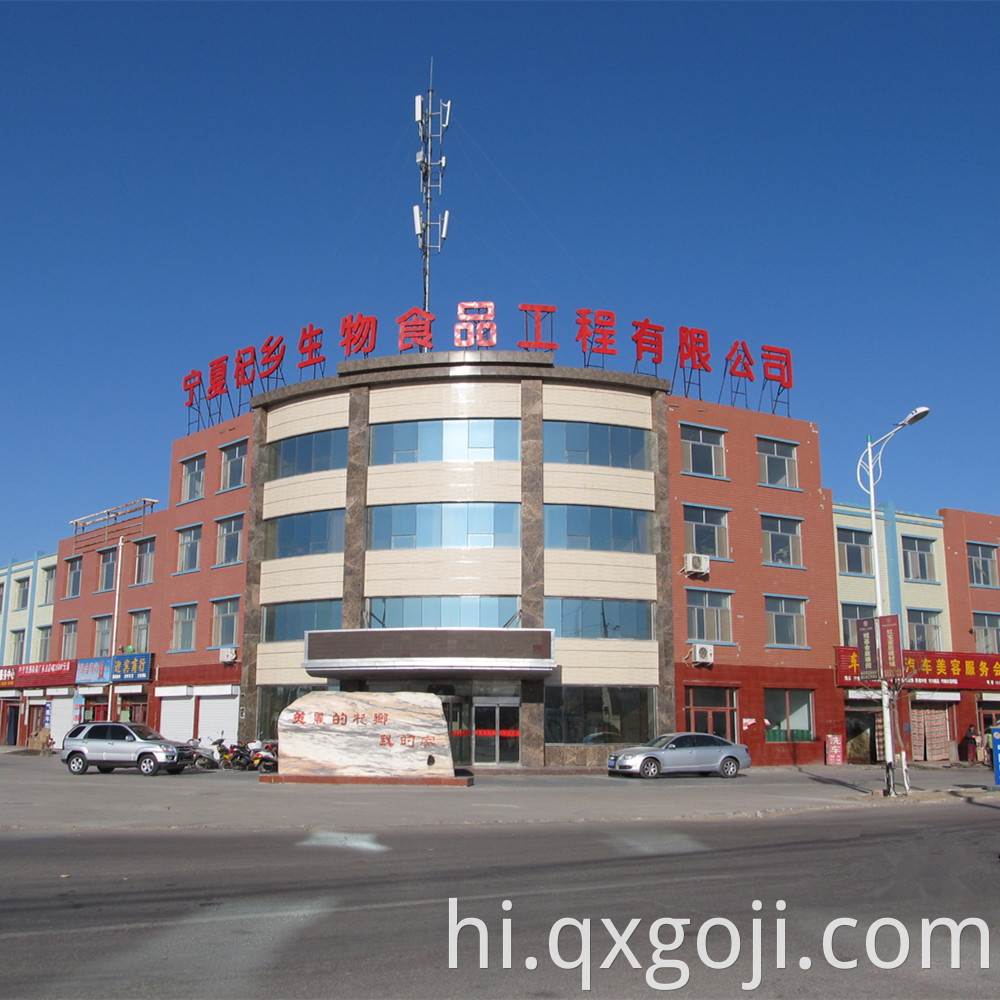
(942, 670)
(45, 674)
(477, 328)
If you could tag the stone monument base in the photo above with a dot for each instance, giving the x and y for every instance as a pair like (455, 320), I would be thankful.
(331, 779)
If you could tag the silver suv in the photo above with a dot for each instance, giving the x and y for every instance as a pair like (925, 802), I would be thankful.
(108, 745)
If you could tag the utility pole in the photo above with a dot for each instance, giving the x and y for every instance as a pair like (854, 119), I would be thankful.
(431, 125)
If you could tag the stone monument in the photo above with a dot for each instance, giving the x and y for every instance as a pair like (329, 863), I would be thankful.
(365, 736)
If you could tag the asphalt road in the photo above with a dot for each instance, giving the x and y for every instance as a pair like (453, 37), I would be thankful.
(212, 887)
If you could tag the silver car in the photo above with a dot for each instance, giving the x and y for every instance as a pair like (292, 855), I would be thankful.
(108, 745)
(698, 752)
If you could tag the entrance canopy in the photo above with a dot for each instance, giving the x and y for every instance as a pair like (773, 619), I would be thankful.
(443, 652)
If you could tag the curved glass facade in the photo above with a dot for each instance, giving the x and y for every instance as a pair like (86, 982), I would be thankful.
(290, 622)
(310, 533)
(594, 618)
(444, 526)
(606, 529)
(574, 443)
(475, 440)
(466, 611)
(305, 453)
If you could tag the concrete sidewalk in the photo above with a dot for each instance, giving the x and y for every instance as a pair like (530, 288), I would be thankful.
(38, 794)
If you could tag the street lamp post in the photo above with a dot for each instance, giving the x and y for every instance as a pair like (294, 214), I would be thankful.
(870, 464)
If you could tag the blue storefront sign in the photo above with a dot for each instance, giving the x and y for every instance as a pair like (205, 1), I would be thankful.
(131, 667)
(93, 671)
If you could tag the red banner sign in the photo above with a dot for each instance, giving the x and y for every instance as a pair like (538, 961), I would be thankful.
(45, 674)
(891, 646)
(942, 670)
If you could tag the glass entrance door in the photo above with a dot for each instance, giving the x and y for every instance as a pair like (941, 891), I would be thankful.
(457, 713)
(497, 733)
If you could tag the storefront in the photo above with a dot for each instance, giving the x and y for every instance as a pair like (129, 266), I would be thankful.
(489, 681)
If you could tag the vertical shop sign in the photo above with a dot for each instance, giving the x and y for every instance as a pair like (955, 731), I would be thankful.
(867, 650)
(891, 646)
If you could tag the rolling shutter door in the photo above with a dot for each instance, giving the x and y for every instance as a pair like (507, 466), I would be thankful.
(218, 715)
(177, 718)
(61, 721)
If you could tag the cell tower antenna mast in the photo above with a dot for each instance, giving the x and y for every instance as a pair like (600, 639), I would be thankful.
(431, 233)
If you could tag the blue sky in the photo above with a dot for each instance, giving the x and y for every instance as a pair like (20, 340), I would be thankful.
(181, 180)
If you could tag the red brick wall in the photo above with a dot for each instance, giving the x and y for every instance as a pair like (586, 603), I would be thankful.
(749, 664)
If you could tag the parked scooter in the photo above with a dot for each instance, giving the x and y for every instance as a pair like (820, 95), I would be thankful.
(207, 760)
(265, 756)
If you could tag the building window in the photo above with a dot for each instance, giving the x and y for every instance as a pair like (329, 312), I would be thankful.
(1, 596)
(466, 611)
(230, 542)
(702, 453)
(986, 628)
(102, 636)
(706, 531)
(144, 552)
(444, 525)
(234, 465)
(605, 529)
(709, 618)
(788, 715)
(849, 615)
(69, 633)
(982, 564)
(17, 646)
(74, 574)
(311, 533)
(21, 589)
(107, 561)
(786, 621)
(777, 463)
(48, 585)
(139, 634)
(918, 558)
(188, 549)
(592, 714)
(193, 479)
(473, 440)
(316, 452)
(185, 619)
(922, 629)
(43, 643)
(594, 618)
(290, 622)
(226, 622)
(568, 442)
(782, 544)
(711, 710)
(854, 551)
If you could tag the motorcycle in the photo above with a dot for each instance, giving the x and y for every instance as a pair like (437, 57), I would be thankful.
(265, 756)
(236, 756)
(207, 760)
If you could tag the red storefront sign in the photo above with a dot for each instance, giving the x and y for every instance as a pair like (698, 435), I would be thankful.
(953, 671)
(891, 646)
(45, 674)
(7, 676)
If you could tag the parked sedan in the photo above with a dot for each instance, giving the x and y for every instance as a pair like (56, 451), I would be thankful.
(698, 752)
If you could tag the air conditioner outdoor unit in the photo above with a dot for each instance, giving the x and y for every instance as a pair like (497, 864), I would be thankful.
(696, 563)
(703, 653)
(228, 654)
